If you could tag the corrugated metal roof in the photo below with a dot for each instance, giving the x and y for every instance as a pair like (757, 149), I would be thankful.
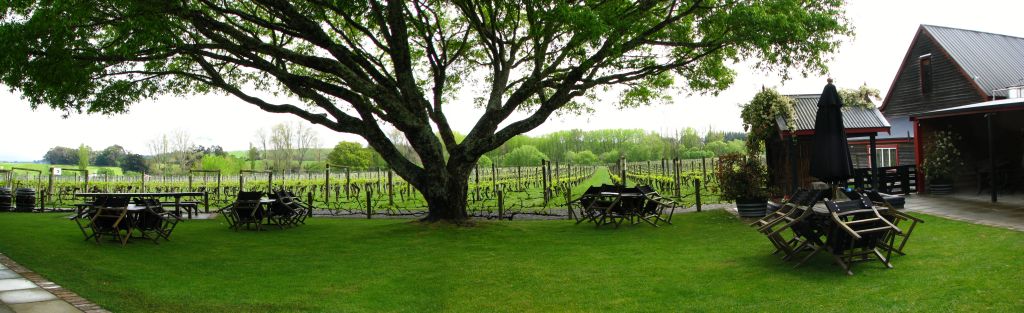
(976, 108)
(806, 108)
(995, 61)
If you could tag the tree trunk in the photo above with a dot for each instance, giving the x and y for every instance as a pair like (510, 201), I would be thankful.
(446, 198)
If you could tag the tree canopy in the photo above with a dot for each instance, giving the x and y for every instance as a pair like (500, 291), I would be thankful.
(354, 66)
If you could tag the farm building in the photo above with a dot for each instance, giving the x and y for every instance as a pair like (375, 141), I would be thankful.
(970, 83)
(788, 155)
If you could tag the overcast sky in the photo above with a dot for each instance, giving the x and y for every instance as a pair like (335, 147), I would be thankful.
(884, 30)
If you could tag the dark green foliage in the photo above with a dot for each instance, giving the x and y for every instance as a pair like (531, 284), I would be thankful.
(350, 154)
(134, 163)
(110, 156)
(61, 155)
(741, 177)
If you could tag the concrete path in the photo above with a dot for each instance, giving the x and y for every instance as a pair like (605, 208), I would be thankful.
(1007, 213)
(23, 291)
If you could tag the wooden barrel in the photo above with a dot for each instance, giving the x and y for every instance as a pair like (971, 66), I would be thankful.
(25, 199)
(751, 208)
(5, 199)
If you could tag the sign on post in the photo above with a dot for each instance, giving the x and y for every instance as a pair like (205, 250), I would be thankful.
(56, 171)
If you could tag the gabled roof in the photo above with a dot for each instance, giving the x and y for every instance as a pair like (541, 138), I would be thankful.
(990, 61)
(994, 61)
(857, 120)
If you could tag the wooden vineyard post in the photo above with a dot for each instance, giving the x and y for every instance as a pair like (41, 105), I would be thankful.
(501, 204)
(476, 185)
(696, 193)
(544, 180)
(519, 178)
(143, 187)
(391, 193)
(347, 185)
(494, 177)
(327, 187)
(369, 203)
(309, 198)
(676, 178)
(703, 168)
(622, 167)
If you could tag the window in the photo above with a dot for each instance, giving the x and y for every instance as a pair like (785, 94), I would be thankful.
(887, 156)
(926, 73)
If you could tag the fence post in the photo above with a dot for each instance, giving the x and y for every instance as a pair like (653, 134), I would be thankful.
(391, 187)
(206, 201)
(309, 198)
(676, 178)
(703, 168)
(501, 204)
(696, 193)
(494, 177)
(476, 185)
(369, 209)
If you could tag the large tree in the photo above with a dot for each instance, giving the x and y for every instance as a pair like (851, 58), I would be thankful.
(353, 66)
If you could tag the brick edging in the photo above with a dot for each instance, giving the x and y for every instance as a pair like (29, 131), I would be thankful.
(64, 294)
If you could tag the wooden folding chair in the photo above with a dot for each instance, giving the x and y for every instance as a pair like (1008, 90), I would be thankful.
(894, 216)
(787, 209)
(112, 219)
(859, 227)
(656, 205)
(154, 222)
(244, 211)
(798, 210)
(84, 214)
(581, 208)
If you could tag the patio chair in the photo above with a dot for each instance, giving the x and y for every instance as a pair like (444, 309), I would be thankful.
(84, 213)
(283, 212)
(244, 211)
(895, 217)
(153, 222)
(803, 236)
(858, 229)
(787, 209)
(302, 209)
(655, 205)
(607, 207)
(111, 218)
(580, 208)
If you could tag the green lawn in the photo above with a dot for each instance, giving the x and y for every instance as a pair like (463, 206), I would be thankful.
(116, 171)
(705, 262)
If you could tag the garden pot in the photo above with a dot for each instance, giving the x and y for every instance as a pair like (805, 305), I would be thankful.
(751, 207)
(940, 189)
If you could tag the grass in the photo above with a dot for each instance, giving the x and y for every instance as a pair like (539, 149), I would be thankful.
(116, 171)
(705, 262)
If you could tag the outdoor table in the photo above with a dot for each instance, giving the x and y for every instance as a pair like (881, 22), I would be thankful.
(176, 195)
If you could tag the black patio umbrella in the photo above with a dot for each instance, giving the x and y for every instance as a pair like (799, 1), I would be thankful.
(830, 155)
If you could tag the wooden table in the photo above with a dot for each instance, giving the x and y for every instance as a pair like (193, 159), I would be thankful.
(176, 195)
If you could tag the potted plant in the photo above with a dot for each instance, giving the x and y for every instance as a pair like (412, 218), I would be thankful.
(743, 179)
(940, 161)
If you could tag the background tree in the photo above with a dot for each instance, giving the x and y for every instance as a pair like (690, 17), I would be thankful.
(524, 156)
(182, 148)
(160, 148)
(84, 154)
(61, 155)
(282, 140)
(134, 163)
(350, 154)
(110, 156)
(354, 66)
